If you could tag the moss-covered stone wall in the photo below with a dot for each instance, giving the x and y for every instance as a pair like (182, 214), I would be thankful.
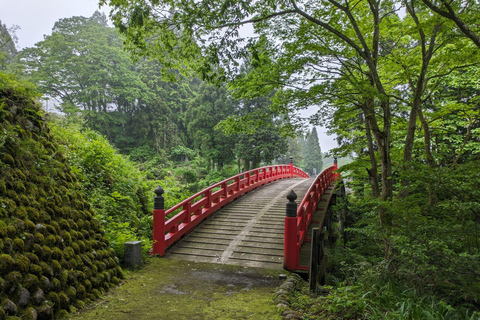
(53, 255)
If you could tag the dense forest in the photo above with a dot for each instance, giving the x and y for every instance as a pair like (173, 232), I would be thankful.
(180, 94)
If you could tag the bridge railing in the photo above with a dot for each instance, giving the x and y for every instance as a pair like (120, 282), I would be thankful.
(201, 205)
(298, 219)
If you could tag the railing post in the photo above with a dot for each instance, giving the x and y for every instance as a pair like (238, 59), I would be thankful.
(290, 244)
(335, 163)
(208, 195)
(291, 167)
(159, 223)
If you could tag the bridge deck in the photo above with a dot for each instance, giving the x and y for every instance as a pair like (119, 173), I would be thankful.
(247, 232)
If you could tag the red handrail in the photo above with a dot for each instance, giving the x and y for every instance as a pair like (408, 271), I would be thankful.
(165, 233)
(296, 227)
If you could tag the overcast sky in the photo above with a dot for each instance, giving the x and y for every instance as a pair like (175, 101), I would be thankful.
(37, 17)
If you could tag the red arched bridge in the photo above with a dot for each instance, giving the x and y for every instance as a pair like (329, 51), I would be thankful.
(256, 229)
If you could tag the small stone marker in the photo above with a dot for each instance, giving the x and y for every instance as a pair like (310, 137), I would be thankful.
(133, 254)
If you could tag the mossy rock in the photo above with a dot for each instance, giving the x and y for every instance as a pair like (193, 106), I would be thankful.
(67, 239)
(46, 253)
(79, 304)
(7, 245)
(21, 212)
(29, 314)
(30, 281)
(71, 293)
(7, 159)
(46, 269)
(29, 225)
(39, 238)
(55, 284)
(44, 312)
(11, 231)
(2, 285)
(3, 229)
(64, 300)
(6, 263)
(62, 314)
(57, 254)
(53, 297)
(50, 240)
(22, 263)
(18, 245)
(36, 269)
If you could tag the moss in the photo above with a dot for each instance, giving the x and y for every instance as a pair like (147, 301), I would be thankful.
(11, 231)
(72, 263)
(76, 247)
(6, 263)
(79, 304)
(18, 245)
(2, 285)
(46, 253)
(71, 293)
(36, 269)
(56, 267)
(67, 239)
(50, 240)
(37, 249)
(64, 300)
(32, 257)
(3, 229)
(29, 314)
(65, 264)
(53, 297)
(39, 238)
(62, 314)
(13, 279)
(30, 282)
(7, 245)
(64, 278)
(21, 212)
(56, 284)
(81, 245)
(8, 159)
(29, 225)
(22, 263)
(57, 254)
(46, 269)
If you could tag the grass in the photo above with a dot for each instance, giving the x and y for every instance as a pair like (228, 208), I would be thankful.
(170, 289)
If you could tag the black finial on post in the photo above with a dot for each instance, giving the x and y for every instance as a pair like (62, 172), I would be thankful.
(335, 160)
(291, 159)
(159, 203)
(291, 204)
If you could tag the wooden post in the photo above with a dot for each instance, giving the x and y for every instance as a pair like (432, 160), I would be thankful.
(159, 223)
(290, 244)
(322, 270)
(314, 259)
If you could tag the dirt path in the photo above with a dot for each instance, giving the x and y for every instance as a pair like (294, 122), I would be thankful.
(171, 289)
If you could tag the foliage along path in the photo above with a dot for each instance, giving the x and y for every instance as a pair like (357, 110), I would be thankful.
(172, 289)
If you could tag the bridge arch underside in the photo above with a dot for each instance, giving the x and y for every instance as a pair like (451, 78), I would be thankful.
(247, 232)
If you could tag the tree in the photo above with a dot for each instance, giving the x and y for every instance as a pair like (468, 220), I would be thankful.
(313, 154)
(465, 14)
(205, 111)
(8, 39)
(83, 65)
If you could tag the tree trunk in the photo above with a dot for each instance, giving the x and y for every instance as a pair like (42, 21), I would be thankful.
(373, 172)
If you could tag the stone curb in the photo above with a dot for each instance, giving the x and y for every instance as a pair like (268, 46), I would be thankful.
(281, 297)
